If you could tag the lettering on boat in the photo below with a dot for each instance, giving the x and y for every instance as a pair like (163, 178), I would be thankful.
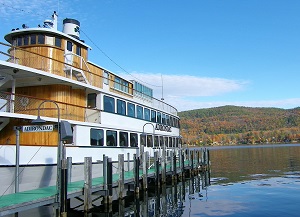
(37, 128)
(162, 127)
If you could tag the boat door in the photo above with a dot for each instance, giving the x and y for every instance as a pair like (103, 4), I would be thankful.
(68, 55)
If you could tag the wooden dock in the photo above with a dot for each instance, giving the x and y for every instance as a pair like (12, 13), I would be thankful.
(168, 166)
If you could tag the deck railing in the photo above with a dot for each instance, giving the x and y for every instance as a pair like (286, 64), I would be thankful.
(22, 104)
(95, 78)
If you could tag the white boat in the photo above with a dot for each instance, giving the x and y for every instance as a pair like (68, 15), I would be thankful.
(46, 73)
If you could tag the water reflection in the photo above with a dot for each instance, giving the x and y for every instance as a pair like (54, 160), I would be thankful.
(161, 202)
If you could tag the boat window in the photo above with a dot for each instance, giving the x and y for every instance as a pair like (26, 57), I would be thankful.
(97, 136)
(139, 111)
(121, 107)
(57, 42)
(163, 119)
(149, 141)
(69, 46)
(147, 114)
(91, 100)
(123, 139)
(109, 104)
(143, 140)
(161, 141)
(105, 77)
(156, 141)
(33, 39)
(170, 142)
(26, 40)
(41, 39)
(133, 140)
(166, 141)
(20, 40)
(158, 117)
(117, 83)
(171, 121)
(167, 120)
(49, 40)
(130, 110)
(153, 116)
(78, 50)
(111, 138)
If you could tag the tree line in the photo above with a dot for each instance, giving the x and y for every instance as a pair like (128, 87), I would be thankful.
(230, 125)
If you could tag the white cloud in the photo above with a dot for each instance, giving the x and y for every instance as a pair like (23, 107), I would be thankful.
(179, 89)
(187, 85)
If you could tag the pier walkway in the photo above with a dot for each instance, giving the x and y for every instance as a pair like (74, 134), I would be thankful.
(18, 202)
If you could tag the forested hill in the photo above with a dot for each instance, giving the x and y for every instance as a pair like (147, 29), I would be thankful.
(240, 125)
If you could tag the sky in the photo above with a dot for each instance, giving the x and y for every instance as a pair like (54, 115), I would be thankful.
(193, 53)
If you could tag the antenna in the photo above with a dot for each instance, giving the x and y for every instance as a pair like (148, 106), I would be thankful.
(162, 88)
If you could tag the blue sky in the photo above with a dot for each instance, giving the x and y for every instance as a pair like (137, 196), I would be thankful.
(208, 53)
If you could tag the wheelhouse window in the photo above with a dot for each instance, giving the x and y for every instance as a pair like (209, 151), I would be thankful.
(147, 114)
(20, 41)
(57, 42)
(26, 40)
(123, 139)
(109, 104)
(133, 140)
(111, 138)
(139, 111)
(91, 100)
(153, 116)
(41, 39)
(130, 110)
(33, 39)
(121, 107)
(97, 136)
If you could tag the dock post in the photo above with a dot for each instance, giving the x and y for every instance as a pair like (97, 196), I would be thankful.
(69, 167)
(145, 170)
(156, 161)
(174, 167)
(136, 173)
(163, 165)
(128, 161)
(17, 182)
(121, 175)
(87, 183)
(109, 181)
(64, 188)
(105, 159)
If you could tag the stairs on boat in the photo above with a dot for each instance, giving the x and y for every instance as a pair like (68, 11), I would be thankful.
(3, 122)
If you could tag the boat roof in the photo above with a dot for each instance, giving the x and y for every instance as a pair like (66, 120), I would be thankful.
(14, 33)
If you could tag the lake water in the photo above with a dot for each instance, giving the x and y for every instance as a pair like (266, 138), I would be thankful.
(256, 180)
(250, 181)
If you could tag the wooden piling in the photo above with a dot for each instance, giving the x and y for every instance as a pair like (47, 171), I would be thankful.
(156, 163)
(121, 175)
(136, 173)
(163, 166)
(87, 184)
(145, 170)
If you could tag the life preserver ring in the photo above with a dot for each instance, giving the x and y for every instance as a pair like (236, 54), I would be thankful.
(24, 101)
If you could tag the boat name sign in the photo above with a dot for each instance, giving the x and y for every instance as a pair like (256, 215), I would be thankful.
(37, 128)
(162, 127)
